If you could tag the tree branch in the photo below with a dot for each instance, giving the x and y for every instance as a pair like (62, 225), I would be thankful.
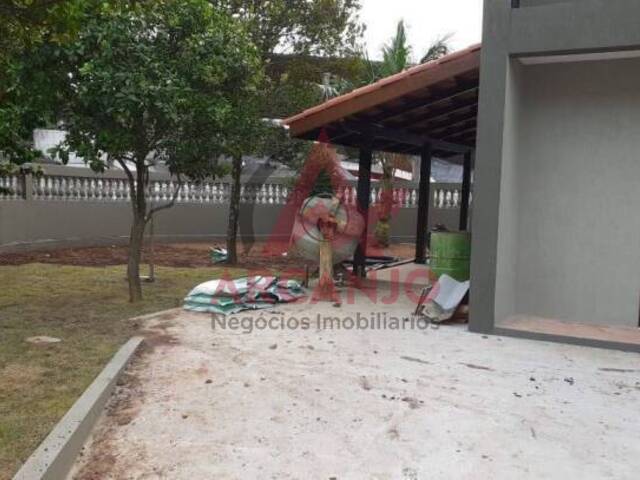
(140, 208)
(167, 205)
(132, 182)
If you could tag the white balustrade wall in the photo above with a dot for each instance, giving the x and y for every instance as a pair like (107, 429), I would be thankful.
(73, 203)
(12, 187)
(103, 189)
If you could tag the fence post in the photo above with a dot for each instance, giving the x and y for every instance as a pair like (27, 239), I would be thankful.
(27, 185)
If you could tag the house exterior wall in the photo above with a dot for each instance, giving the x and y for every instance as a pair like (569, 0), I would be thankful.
(538, 3)
(509, 209)
(578, 161)
(514, 100)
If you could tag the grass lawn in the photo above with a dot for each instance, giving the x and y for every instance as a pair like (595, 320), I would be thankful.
(83, 306)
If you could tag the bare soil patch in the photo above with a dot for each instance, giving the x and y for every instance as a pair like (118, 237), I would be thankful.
(183, 255)
(100, 462)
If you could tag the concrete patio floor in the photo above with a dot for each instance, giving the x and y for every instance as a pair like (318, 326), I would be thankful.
(365, 404)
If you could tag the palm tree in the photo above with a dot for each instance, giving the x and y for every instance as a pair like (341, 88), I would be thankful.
(438, 48)
(333, 86)
(396, 57)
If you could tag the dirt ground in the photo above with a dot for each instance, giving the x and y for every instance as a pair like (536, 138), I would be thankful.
(376, 403)
(182, 255)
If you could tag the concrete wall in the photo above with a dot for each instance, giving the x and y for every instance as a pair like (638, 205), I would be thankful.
(539, 3)
(570, 26)
(71, 206)
(509, 210)
(32, 224)
(576, 184)
(488, 165)
(542, 29)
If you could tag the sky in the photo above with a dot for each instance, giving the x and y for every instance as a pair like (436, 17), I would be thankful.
(426, 20)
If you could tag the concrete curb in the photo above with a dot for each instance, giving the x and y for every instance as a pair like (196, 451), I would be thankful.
(55, 456)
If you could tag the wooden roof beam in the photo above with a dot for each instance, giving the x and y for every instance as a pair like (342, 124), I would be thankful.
(462, 134)
(402, 136)
(463, 109)
(454, 128)
(410, 108)
(450, 107)
(433, 128)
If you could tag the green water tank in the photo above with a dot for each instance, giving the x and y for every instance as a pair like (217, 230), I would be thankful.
(451, 254)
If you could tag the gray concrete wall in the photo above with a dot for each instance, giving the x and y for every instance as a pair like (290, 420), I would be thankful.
(539, 28)
(571, 26)
(578, 167)
(488, 164)
(509, 211)
(539, 3)
(60, 217)
(31, 224)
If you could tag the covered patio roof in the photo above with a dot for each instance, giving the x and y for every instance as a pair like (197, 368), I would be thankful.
(429, 110)
(434, 103)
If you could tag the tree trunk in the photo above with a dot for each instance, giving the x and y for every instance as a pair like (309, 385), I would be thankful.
(151, 254)
(387, 188)
(234, 211)
(136, 239)
(383, 226)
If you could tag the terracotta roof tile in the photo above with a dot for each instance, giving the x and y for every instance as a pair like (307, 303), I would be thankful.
(469, 55)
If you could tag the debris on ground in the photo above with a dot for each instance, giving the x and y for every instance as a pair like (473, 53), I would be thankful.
(619, 370)
(424, 294)
(477, 367)
(228, 297)
(377, 262)
(218, 255)
(413, 359)
(413, 403)
(444, 298)
(364, 383)
(43, 340)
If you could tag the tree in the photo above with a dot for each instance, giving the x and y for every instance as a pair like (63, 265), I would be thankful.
(396, 57)
(153, 82)
(438, 49)
(333, 86)
(241, 135)
(310, 27)
(27, 93)
(26, 23)
(303, 34)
